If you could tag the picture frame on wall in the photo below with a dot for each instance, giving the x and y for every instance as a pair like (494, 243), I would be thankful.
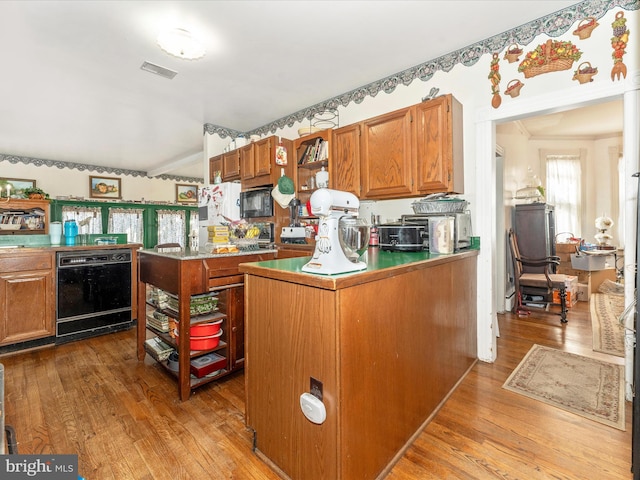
(17, 186)
(105, 187)
(186, 193)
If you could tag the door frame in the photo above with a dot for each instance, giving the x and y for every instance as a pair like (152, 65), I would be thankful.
(488, 192)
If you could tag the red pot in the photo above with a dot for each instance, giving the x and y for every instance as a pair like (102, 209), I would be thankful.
(206, 329)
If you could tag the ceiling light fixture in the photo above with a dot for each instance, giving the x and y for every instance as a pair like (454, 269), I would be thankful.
(180, 43)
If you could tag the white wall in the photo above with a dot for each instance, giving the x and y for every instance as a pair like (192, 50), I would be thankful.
(600, 185)
(65, 181)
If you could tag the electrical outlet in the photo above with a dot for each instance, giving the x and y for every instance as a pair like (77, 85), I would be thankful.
(315, 388)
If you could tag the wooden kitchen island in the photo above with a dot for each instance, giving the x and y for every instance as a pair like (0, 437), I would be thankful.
(185, 274)
(388, 344)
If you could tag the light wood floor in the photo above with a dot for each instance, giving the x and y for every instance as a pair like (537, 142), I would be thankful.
(124, 420)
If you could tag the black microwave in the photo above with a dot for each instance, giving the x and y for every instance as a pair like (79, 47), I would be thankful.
(256, 203)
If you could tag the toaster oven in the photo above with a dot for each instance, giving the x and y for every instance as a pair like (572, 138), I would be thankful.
(461, 227)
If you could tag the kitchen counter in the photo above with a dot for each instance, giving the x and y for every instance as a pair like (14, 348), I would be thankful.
(29, 282)
(188, 254)
(387, 345)
(380, 264)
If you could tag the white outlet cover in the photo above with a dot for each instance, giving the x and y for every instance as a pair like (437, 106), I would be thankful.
(312, 408)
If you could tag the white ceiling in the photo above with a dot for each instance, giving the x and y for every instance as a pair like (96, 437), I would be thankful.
(73, 91)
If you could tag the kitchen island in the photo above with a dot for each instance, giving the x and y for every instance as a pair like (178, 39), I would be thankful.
(186, 275)
(385, 346)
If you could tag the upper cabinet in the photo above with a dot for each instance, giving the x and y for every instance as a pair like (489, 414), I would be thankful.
(231, 166)
(344, 169)
(387, 162)
(410, 152)
(227, 165)
(440, 159)
(260, 164)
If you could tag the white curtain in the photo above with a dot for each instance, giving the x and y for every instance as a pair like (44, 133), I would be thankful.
(172, 227)
(129, 221)
(89, 219)
(564, 192)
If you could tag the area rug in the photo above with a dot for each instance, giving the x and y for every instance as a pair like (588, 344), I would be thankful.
(608, 333)
(585, 386)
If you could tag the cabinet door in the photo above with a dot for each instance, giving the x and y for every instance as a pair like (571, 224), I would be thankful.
(439, 147)
(344, 172)
(263, 156)
(387, 165)
(215, 165)
(231, 165)
(247, 162)
(26, 306)
(235, 317)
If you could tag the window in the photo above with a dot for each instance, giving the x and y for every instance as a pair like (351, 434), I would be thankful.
(172, 227)
(89, 219)
(129, 221)
(564, 175)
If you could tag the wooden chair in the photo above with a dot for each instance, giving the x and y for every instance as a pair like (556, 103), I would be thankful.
(536, 283)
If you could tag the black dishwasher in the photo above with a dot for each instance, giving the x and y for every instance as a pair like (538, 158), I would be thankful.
(93, 293)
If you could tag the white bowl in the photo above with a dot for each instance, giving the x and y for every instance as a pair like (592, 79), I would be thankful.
(308, 130)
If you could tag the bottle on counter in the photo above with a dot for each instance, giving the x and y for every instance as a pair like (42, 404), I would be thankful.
(70, 232)
(374, 240)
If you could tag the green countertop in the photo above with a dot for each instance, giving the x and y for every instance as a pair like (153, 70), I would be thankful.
(380, 263)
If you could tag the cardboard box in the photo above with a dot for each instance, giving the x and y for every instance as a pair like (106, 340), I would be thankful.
(572, 297)
(600, 276)
(583, 275)
(568, 247)
(584, 292)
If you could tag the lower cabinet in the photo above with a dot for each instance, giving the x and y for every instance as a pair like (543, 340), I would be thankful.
(27, 309)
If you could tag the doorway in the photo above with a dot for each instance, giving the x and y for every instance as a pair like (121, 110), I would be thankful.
(594, 133)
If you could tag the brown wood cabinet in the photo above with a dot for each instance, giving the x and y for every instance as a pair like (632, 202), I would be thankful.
(27, 305)
(409, 152)
(387, 163)
(186, 275)
(344, 169)
(215, 165)
(228, 164)
(24, 217)
(438, 143)
(231, 166)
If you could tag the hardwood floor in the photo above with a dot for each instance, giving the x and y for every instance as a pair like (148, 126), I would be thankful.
(124, 420)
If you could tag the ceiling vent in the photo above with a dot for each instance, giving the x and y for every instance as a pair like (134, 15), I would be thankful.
(158, 70)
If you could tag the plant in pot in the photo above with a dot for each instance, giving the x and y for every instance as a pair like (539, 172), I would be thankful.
(35, 193)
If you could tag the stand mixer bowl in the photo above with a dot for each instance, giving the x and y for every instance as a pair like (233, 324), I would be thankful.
(353, 234)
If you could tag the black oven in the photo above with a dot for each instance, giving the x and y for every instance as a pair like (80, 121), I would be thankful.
(93, 293)
(256, 203)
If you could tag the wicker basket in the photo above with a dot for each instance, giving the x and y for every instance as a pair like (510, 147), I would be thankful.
(585, 27)
(584, 77)
(548, 66)
(513, 88)
(513, 53)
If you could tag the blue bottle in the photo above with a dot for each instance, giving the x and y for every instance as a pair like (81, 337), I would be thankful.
(70, 232)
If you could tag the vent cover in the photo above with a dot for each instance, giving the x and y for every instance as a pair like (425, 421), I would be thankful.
(158, 70)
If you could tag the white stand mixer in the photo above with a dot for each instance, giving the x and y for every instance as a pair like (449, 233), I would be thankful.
(338, 246)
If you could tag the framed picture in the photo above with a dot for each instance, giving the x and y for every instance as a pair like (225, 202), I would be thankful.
(186, 193)
(104, 187)
(16, 186)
